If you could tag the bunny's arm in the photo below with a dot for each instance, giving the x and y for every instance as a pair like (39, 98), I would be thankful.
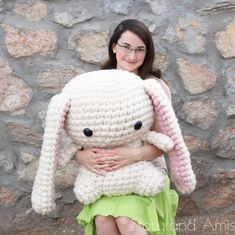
(159, 140)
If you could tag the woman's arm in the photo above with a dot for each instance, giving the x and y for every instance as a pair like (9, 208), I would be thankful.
(101, 160)
(113, 159)
(123, 156)
(149, 152)
(92, 160)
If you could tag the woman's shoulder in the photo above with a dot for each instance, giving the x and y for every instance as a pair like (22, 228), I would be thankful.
(163, 84)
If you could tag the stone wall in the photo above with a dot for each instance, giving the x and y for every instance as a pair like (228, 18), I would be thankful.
(46, 43)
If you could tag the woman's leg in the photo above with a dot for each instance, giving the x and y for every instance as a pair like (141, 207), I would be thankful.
(127, 226)
(106, 225)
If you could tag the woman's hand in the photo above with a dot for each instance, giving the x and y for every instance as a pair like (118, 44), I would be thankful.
(96, 160)
(101, 161)
(119, 157)
(123, 156)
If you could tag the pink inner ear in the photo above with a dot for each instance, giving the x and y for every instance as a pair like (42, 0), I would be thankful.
(59, 132)
(179, 157)
(43, 194)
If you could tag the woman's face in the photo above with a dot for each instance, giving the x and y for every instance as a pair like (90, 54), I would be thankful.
(130, 52)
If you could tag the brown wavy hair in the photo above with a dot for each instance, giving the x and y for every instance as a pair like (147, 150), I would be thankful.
(142, 31)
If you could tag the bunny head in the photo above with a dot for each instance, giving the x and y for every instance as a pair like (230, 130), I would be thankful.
(109, 108)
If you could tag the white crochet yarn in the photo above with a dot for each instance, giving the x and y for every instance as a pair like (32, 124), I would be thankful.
(141, 178)
(110, 105)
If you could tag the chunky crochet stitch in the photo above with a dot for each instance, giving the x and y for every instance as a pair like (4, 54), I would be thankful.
(106, 109)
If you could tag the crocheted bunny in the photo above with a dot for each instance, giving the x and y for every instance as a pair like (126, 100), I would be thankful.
(107, 109)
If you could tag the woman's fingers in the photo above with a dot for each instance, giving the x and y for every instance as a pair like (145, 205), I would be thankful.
(114, 167)
(99, 169)
(102, 169)
(98, 172)
(108, 162)
(101, 166)
(105, 159)
(96, 150)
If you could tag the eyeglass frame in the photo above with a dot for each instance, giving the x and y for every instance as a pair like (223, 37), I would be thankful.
(136, 50)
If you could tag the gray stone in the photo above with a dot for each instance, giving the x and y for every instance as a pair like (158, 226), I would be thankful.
(15, 94)
(3, 136)
(230, 110)
(161, 6)
(27, 173)
(9, 166)
(42, 116)
(6, 163)
(200, 113)
(187, 206)
(119, 7)
(21, 42)
(70, 18)
(92, 47)
(8, 196)
(195, 144)
(197, 78)
(33, 12)
(189, 32)
(170, 34)
(54, 78)
(161, 61)
(2, 159)
(1, 6)
(230, 82)
(27, 157)
(222, 193)
(224, 143)
(218, 7)
(23, 134)
(199, 165)
(225, 41)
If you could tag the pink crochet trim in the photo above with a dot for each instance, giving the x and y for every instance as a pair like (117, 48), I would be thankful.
(43, 195)
(179, 157)
(59, 131)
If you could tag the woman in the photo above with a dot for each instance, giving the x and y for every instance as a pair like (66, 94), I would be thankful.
(130, 48)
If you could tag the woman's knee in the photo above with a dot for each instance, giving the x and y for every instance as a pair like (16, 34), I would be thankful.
(127, 224)
(101, 220)
(123, 221)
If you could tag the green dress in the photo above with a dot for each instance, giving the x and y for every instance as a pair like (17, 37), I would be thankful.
(156, 213)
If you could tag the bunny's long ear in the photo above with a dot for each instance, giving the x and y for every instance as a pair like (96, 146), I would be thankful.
(179, 157)
(43, 194)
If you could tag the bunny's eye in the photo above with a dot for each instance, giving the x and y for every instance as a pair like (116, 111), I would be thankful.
(88, 132)
(138, 125)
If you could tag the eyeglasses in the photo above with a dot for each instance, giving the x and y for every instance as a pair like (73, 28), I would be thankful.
(127, 49)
